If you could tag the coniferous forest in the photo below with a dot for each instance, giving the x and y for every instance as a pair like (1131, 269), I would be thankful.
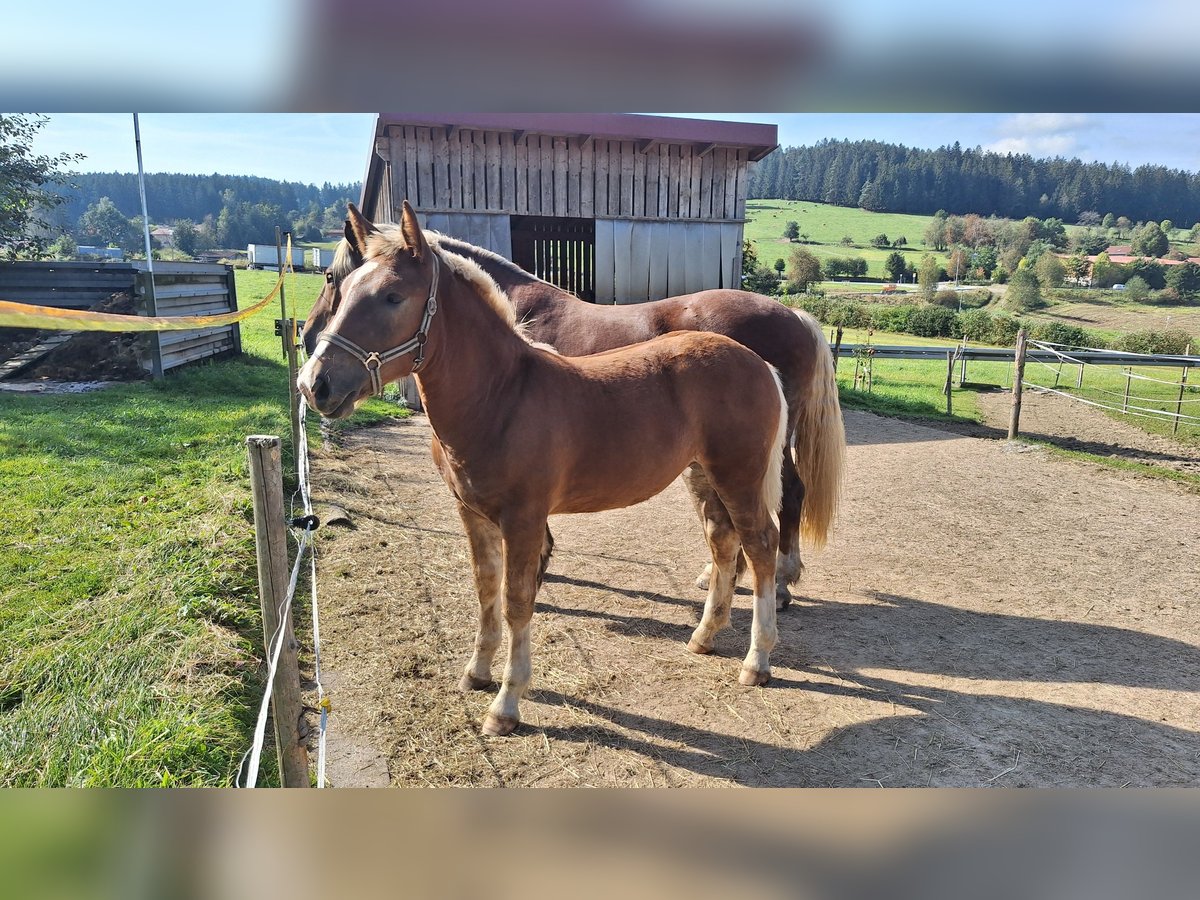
(894, 178)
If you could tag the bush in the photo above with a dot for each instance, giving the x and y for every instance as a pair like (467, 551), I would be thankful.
(892, 318)
(932, 321)
(1062, 333)
(947, 299)
(1174, 340)
(974, 299)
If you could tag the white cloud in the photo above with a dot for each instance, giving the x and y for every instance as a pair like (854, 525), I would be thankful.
(1043, 134)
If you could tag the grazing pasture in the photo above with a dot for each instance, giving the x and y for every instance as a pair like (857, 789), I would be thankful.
(129, 629)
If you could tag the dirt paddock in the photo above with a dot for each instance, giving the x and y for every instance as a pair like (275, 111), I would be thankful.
(985, 615)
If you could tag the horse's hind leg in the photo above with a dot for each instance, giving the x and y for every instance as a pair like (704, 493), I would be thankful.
(723, 542)
(700, 491)
(760, 542)
(789, 566)
(487, 564)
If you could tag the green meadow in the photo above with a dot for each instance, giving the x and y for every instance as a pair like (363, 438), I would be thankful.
(130, 637)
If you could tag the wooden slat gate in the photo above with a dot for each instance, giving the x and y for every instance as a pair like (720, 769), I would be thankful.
(560, 250)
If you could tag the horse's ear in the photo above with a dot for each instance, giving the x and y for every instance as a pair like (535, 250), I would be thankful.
(414, 238)
(358, 229)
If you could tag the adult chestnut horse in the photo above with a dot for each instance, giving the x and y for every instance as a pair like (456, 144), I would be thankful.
(790, 341)
(522, 433)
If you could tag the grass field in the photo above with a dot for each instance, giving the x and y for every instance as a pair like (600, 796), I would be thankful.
(826, 225)
(130, 637)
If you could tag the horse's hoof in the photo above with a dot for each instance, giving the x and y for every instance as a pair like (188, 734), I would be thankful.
(471, 683)
(753, 678)
(783, 598)
(500, 726)
(702, 581)
(696, 647)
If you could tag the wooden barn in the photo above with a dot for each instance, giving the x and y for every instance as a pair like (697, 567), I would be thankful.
(616, 208)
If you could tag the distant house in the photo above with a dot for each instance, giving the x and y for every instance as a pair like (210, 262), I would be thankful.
(163, 236)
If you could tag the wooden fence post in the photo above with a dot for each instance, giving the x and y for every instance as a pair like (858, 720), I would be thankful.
(1179, 402)
(270, 537)
(289, 346)
(949, 381)
(1125, 400)
(837, 348)
(1014, 418)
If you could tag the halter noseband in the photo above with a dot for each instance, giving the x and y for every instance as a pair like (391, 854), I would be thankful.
(375, 361)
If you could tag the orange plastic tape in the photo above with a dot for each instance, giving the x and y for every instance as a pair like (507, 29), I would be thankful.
(22, 315)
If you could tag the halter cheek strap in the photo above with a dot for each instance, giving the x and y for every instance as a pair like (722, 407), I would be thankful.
(374, 361)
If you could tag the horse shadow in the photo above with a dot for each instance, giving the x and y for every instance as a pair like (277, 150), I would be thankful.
(1011, 739)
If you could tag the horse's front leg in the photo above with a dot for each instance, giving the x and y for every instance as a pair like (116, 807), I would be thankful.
(487, 564)
(523, 545)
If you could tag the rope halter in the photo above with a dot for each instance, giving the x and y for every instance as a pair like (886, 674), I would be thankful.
(374, 361)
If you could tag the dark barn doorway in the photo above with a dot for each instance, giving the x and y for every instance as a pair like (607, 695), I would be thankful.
(559, 250)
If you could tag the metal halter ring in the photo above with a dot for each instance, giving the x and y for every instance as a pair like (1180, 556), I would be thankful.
(414, 345)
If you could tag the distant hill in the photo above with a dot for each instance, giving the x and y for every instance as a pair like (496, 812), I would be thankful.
(173, 196)
(894, 178)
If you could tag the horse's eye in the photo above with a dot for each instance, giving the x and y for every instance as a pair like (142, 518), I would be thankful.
(394, 299)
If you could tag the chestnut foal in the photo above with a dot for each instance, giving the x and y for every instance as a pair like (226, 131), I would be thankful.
(521, 433)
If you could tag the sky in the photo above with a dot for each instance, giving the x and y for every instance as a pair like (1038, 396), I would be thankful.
(315, 148)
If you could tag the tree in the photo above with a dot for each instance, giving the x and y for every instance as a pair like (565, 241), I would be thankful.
(780, 265)
(64, 247)
(1185, 279)
(880, 241)
(105, 225)
(1149, 240)
(1024, 291)
(791, 231)
(847, 241)
(984, 259)
(1049, 270)
(805, 269)
(1078, 267)
(894, 265)
(187, 237)
(928, 273)
(762, 280)
(25, 198)
(1123, 225)
(1136, 289)
(757, 279)
(1167, 227)
(1108, 221)
(870, 197)
(935, 234)
(957, 267)
(901, 241)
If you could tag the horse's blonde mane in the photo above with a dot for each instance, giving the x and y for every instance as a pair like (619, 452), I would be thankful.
(388, 240)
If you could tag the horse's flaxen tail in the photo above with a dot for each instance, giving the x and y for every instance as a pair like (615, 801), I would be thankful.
(820, 442)
(772, 488)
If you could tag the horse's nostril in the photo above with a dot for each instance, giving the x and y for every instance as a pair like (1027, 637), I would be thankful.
(321, 389)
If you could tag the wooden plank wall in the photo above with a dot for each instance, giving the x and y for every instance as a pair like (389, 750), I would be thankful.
(180, 289)
(638, 260)
(191, 289)
(449, 169)
(65, 285)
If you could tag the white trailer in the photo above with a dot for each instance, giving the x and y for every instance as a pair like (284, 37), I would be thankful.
(265, 256)
(319, 259)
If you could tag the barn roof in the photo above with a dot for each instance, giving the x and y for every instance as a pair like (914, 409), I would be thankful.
(756, 138)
